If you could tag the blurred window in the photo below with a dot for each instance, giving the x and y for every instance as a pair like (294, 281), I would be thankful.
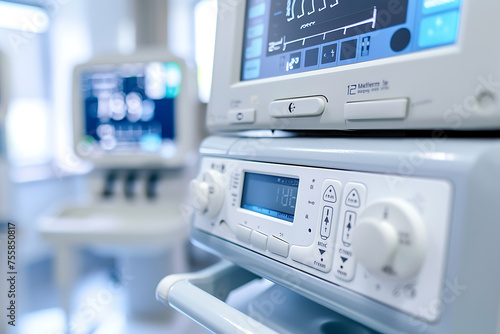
(23, 39)
(205, 14)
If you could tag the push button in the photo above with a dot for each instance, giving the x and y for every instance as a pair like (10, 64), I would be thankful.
(378, 109)
(330, 195)
(243, 233)
(299, 107)
(278, 246)
(352, 199)
(259, 240)
(356, 193)
(344, 264)
(317, 256)
(349, 224)
(326, 222)
(241, 116)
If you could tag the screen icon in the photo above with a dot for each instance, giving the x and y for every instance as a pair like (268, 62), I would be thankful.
(329, 54)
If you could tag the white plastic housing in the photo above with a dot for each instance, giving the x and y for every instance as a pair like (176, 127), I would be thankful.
(426, 79)
(452, 185)
(318, 238)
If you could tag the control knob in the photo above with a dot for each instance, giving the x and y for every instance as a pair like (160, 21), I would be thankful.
(207, 192)
(390, 239)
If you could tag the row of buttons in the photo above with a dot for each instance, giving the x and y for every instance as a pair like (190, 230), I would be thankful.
(352, 199)
(261, 241)
(319, 254)
(315, 106)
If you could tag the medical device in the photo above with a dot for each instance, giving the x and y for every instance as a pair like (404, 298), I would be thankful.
(134, 111)
(400, 240)
(357, 64)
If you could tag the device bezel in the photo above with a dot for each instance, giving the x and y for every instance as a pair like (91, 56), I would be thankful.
(424, 77)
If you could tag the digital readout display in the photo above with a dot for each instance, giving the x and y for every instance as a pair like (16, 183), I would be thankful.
(270, 195)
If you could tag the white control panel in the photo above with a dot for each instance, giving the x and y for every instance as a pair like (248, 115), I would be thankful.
(365, 232)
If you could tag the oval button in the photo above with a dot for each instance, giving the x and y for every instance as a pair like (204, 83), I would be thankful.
(299, 107)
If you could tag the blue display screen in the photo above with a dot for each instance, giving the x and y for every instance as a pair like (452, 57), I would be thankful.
(130, 107)
(292, 36)
(273, 196)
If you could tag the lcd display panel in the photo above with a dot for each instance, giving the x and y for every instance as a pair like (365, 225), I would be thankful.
(292, 36)
(273, 196)
(130, 108)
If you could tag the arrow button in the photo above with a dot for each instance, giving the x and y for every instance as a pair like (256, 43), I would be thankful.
(344, 264)
(352, 199)
(326, 222)
(349, 223)
(330, 195)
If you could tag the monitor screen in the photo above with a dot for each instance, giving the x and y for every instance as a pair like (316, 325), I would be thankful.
(130, 108)
(291, 36)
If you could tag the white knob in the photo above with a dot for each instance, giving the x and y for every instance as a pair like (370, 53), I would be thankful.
(199, 194)
(375, 244)
(389, 239)
(207, 193)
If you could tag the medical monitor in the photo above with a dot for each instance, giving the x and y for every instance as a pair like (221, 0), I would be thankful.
(134, 111)
(357, 64)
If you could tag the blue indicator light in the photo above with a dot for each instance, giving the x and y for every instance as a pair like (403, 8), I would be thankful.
(150, 142)
(255, 31)
(257, 10)
(440, 29)
(254, 49)
(251, 69)
(434, 6)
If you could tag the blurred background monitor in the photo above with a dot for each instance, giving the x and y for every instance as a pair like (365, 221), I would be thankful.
(134, 111)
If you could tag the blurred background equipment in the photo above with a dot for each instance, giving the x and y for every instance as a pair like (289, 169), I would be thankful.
(135, 112)
(132, 119)
(102, 113)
